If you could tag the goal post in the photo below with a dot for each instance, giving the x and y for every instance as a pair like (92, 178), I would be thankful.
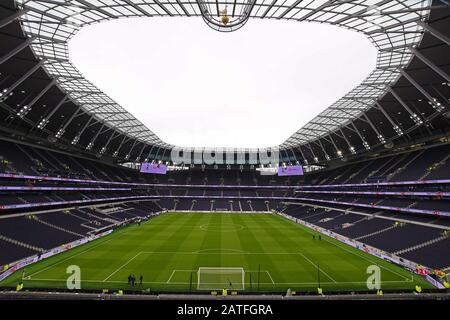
(218, 278)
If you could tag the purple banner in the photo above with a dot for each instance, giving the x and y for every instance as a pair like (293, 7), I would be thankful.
(290, 171)
(376, 193)
(377, 184)
(155, 168)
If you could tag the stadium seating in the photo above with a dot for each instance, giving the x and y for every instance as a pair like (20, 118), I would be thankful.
(351, 196)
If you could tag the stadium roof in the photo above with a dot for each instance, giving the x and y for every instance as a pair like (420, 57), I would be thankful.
(350, 125)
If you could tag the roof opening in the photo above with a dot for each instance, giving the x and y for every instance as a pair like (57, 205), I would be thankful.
(196, 87)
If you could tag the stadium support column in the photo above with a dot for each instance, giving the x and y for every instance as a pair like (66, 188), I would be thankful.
(350, 147)
(432, 100)
(323, 149)
(92, 143)
(128, 154)
(305, 161)
(16, 50)
(396, 127)
(363, 139)
(430, 64)
(23, 78)
(103, 149)
(46, 117)
(417, 120)
(62, 129)
(116, 153)
(316, 159)
(12, 17)
(434, 32)
(338, 152)
(80, 133)
(27, 108)
(149, 153)
(377, 132)
(138, 158)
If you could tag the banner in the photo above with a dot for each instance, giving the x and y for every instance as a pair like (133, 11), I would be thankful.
(290, 171)
(29, 260)
(156, 168)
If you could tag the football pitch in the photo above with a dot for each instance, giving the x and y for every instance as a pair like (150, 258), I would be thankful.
(248, 252)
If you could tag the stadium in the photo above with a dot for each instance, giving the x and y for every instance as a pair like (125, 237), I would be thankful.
(354, 204)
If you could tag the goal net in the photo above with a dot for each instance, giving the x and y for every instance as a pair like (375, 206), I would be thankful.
(209, 278)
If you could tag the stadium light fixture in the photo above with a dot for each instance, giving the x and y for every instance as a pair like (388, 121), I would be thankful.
(381, 139)
(352, 150)
(42, 123)
(60, 133)
(23, 112)
(75, 140)
(398, 130)
(436, 105)
(417, 120)
(90, 145)
(366, 144)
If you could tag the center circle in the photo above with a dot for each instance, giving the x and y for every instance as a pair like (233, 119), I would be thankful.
(222, 227)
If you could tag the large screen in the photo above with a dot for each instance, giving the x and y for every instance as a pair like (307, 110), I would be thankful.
(156, 168)
(290, 170)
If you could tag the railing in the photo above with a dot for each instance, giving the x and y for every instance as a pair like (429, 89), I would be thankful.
(378, 184)
(290, 200)
(373, 206)
(381, 193)
(143, 185)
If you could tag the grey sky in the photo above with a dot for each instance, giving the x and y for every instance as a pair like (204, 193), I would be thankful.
(194, 86)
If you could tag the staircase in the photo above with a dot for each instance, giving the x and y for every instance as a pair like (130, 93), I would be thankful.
(175, 203)
(376, 232)
(110, 220)
(421, 245)
(21, 244)
(403, 168)
(399, 159)
(158, 205)
(192, 205)
(58, 227)
(435, 167)
(357, 173)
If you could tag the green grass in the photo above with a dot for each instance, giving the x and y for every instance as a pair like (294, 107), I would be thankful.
(168, 250)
